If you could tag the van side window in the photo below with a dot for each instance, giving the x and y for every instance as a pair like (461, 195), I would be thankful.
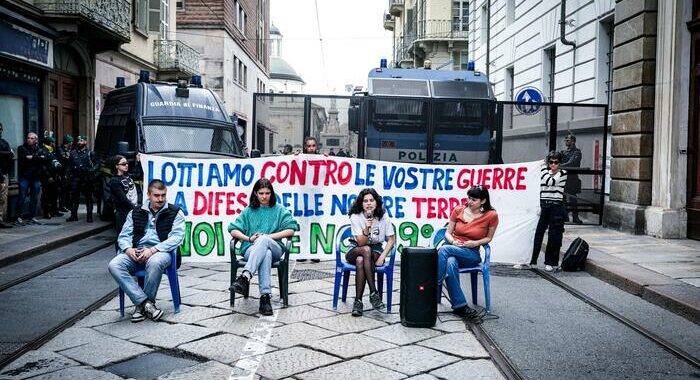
(115, 125)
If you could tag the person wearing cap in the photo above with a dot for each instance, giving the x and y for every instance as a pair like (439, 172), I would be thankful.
(50, 177)
(571, 158)
(6, 158)
(29, 166)
(63, 155)
(82, 168)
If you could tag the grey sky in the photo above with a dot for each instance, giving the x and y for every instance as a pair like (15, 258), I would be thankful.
(354, 40)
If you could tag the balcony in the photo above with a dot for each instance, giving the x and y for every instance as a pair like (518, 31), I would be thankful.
(175, 59)
(104, 22)
(442, 30)
(388, 22)
(396, 7)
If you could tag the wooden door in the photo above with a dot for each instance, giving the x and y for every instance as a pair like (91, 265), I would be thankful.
(63, 106)
(693, 191)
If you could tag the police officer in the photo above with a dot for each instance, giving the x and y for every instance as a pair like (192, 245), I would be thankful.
(571, 158)
(50, 178)
(82, 169)
(63, 156)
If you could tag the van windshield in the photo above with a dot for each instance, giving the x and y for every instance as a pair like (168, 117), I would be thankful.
(190, 136)
(201, 103)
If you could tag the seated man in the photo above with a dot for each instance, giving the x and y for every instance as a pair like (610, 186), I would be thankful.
(149, 234)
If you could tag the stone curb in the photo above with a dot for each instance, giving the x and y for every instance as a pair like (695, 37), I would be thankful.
(669, 293)
(29, 246)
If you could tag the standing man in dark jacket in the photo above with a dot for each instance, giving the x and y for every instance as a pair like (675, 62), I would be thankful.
(149, 234)
(50, 178)
(31, 160)
(63, 155)
(571, 158)
(6, 157)
(82, 169)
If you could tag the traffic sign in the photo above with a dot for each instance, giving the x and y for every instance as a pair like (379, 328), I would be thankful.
(533, 97)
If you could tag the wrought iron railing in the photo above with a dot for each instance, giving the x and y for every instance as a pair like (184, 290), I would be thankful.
(439, 29)
(113, 15)
(175, 55)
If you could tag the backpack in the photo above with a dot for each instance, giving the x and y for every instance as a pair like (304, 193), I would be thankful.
(575, 257)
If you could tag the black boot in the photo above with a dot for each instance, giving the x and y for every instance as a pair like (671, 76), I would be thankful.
(89, 218)
(73, 217)
(265, 305)
(241, 286)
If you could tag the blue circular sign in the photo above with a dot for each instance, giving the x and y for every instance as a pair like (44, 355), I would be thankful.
(530, 99)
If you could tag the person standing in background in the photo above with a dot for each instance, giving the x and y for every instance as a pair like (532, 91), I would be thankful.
(571, 158)
(63, 155)
(82, 169)
(29, 166)
(50, 178)
(6, 158)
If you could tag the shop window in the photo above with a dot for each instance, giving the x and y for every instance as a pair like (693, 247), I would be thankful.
(12, 119)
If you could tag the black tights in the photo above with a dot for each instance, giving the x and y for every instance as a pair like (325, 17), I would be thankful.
(364, 260)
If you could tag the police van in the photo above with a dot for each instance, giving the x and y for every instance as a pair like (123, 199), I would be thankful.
(178, 119)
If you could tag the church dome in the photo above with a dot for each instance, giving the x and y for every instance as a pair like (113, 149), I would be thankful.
(280, 69)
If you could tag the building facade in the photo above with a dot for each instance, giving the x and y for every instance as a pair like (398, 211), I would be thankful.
(429, 30)
(639, 58)
(232, 38)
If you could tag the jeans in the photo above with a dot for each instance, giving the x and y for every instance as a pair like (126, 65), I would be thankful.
(33, 187)
(4, 184)
(122, 266)
(552, 217)
(450, 259)
(260, 257)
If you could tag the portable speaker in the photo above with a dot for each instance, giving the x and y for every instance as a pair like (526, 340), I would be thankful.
(418, 306)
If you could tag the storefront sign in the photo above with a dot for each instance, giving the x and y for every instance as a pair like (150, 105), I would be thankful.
(24, 44)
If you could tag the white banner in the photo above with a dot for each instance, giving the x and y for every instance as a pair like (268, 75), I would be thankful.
(319, 190)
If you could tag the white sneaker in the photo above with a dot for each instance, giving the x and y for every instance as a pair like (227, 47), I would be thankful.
(548, 268)
(521, 266)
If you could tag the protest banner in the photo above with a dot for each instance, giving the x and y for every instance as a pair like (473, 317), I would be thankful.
(319, 191)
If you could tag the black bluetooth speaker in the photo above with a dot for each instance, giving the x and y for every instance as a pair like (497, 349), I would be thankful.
(418, 287)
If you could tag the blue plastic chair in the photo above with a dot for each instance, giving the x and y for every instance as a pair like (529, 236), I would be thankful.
(171, 271)
(343, 269)
(439, 240)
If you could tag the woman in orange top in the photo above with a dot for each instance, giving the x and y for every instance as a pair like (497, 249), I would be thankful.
(470, 227)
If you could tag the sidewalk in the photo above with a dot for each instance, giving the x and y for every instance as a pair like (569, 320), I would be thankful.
(662, 271)
(307, 340)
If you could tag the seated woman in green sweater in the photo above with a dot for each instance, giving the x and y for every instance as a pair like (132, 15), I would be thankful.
(260, 227)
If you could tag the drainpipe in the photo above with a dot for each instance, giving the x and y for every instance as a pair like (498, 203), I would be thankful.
(488, 40)
(562, 23)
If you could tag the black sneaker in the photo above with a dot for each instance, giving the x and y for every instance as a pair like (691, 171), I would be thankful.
(151, 311)
(315, 260)
(265, 305)
(138, 315)
(376, 300)
(301, 260)
(469, 313)
(241, 286)
(357, 308)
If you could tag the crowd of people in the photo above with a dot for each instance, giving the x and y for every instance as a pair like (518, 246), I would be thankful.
(52, 177)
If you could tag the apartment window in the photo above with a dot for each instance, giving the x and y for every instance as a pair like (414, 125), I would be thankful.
(235, 69)
(460, 16)
(508, 86)
(261, 31)
(245, 77)
(240, 72)
(605, 57)
(484, 25)
(164, 21)
(241, 18)
(548, 72)
(154, 15)
(141, 15)
(180, 5)
(510, 12)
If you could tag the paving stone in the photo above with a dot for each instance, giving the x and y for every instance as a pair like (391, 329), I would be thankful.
(79, 373)
(205, 298)
(463, 344)
(213, 285)
(239, 324)
(351, 345)
(73, 337)
(309, 286)
(193, 314)
(104, 351)
(302, 313)
(215, 266)
(188, 282)
(246, 306)
(298, 299)
(165, 295)
(171, 336)
(196, 272)
(390, 318)
(346, 323)
(224, 348)
(291, 361)
(401, 335)
(98, 317)
(113, 304)
(412, 360)
(35, 363)
(297, 333)
(220, 276)
(207, 370)
(477, 369)
(343, 308)
(351, 370)
(450, 326)
(125, 329)
(423, 377)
